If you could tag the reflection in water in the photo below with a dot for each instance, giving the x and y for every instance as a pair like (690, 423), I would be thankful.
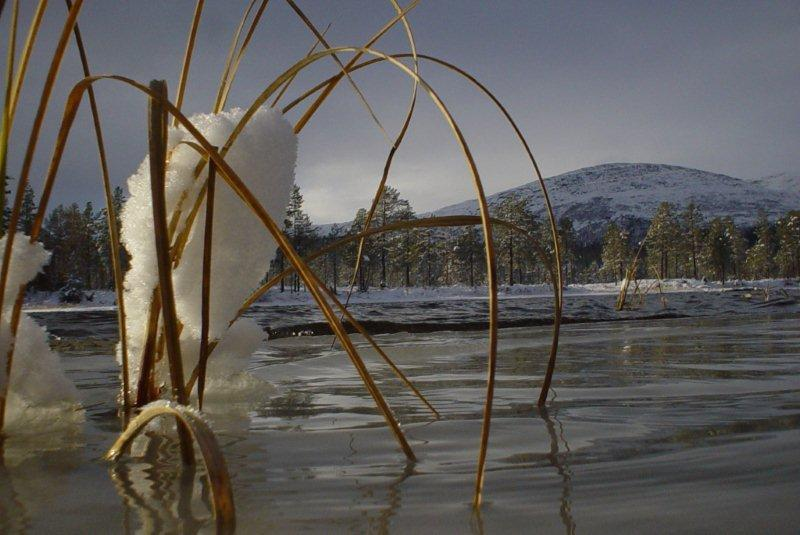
(559, 461)
(393, 497)
(476, 521)
(162, 491)
(13, 517)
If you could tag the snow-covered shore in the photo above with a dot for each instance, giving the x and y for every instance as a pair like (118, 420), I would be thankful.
(105, 299)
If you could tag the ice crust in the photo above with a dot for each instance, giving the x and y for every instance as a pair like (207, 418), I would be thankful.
(264, 158)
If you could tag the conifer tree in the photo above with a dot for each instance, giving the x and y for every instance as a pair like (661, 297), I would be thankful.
(615, 252)
(718, 249)
(662, 239)
(512, 208)
(691, 228)
(402, 245)
(468, 255)
(300, 230)
(788, 255)
(759, 259)
(27, 210)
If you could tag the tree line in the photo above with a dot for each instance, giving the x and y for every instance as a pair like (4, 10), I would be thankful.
(683, 244)
(78, 240)
(432, 257)
(677, 244)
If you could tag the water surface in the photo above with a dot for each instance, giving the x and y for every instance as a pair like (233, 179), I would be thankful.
(677, 424)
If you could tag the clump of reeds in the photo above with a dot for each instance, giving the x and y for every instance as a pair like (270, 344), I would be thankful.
(161, 336)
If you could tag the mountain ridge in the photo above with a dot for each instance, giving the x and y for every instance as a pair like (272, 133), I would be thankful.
(629, 193)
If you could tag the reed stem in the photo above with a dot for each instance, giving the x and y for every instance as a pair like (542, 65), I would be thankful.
(111, 222)
(206, 297)
(157, 136)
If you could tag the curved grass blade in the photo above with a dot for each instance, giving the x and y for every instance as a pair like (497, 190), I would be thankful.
(235, 67)
(358, 91)
(52, 73)
(298, 127)
(241, 190)
(205, 304)
(12, 96)
(390, 158)
(187, 56)
(5, 128)
(289, 82)
(111, 221)
(213, 460)
(558, 286)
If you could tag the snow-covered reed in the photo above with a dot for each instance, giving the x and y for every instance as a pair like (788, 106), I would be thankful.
(264, 156)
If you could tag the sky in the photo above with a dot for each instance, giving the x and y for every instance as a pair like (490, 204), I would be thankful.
(702, 84)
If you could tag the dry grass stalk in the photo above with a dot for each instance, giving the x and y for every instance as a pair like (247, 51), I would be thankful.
(234, 57)
(14, 88)
(157, 137)
(630, 274)
(182, 238)
(216, 469)
(558, 280)
(298, 127)
(317, 290)
(390, 158)
(33, 139)
(187, 56)
(242, 49)
(206, 297)
(5, 128)
(145, 386)
(14, 83)
(250, 201)
(358, 91)
(289, 82)
(111, 222)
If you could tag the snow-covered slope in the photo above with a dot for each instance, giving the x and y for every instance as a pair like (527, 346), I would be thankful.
(783, 182)
(631, 192)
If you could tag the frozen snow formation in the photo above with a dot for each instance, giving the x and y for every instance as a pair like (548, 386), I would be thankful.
(39, 392)
(264, 158)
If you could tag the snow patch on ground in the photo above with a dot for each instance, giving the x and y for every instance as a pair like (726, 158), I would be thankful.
(48, 302)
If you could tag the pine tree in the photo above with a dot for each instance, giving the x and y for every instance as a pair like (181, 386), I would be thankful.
(512, 208)
(567, 242)
(615, 253)
(431, 256)
(738, 247)
(788, 255)
(759, 259)
(469, 255)
(718, 249)
(363, 276)
(691, 228)
(27, 210)
(333, 257)
(299, 229)
(402, 245)
(662, 239)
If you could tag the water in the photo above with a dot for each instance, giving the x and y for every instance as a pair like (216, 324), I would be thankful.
(664, 425)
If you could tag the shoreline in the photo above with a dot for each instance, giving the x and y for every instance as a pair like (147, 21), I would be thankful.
(104, 300)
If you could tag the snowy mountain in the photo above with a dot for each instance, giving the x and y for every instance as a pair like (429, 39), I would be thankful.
(630, 193)
(784, 182)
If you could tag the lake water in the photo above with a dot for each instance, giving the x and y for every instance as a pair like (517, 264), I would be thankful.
(680, 419)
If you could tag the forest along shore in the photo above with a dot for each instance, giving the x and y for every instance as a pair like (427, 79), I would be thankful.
(764, 289)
